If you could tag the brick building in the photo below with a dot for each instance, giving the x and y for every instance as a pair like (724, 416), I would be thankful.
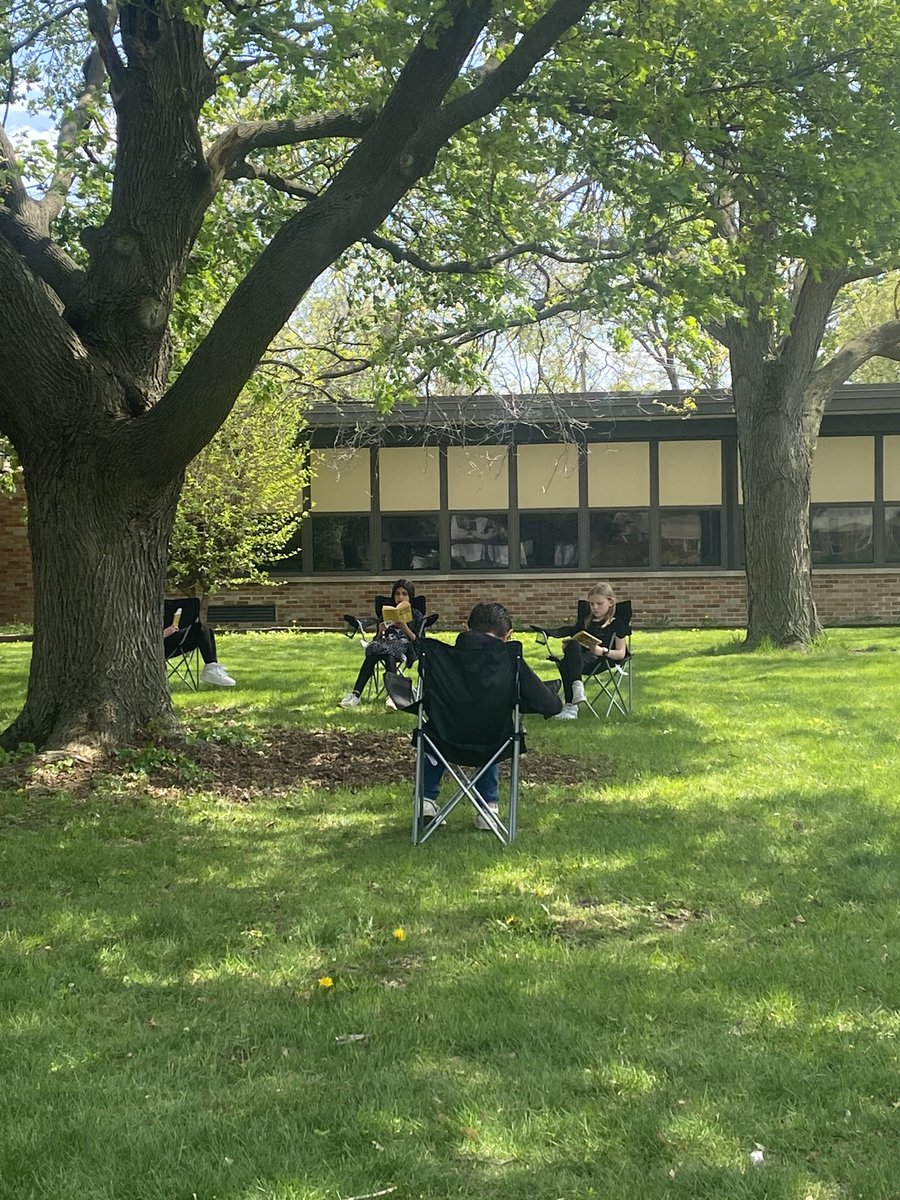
(527, 500)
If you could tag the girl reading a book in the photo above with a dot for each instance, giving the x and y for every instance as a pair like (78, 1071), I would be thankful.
(594, 644)
(393, 644)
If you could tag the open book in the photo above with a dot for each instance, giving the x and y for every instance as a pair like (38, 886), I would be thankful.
(402, 613)
(586, 639)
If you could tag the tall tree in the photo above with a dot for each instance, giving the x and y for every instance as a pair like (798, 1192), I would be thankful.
(768, 137)
(359, 102)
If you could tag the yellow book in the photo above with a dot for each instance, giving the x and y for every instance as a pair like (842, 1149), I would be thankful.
(586, 639)
(402, 614)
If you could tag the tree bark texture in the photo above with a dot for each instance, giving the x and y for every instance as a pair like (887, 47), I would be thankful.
(776, 440)
(99, 553)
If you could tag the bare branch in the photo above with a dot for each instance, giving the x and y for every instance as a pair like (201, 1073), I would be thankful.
(289, 187)
(474, 266)
(854, 274)
(883, 341)
(101, 22)
(240, 140)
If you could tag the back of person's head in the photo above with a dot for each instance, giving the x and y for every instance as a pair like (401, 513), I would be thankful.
(490, 617)
(408, 587)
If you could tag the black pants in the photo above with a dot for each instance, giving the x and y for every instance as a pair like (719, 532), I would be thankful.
(577, 661)
(375, 653)
(187, 638)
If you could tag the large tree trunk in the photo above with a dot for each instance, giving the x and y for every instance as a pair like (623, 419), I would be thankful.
(776, 440)
(99, 552)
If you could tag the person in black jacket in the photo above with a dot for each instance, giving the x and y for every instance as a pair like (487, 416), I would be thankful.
(489, 622)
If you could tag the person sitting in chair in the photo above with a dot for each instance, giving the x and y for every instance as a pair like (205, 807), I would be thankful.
(487, 622)
(183, 636)
(394, 645)
(607, 647)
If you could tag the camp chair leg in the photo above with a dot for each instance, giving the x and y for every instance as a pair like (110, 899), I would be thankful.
(467, 787)
(186, 668)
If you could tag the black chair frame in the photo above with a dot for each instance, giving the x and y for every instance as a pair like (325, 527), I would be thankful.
(436, 728)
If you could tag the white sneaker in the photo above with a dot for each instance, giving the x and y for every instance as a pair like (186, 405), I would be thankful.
(578, 695)
(350, 700)
(430, 810)
(390, 704)
(216, 674)
(482, 822)
(569, 713)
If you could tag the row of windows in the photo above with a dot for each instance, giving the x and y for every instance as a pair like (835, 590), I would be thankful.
(620, 538)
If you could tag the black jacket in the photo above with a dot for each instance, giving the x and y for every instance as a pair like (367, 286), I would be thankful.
(534, 694)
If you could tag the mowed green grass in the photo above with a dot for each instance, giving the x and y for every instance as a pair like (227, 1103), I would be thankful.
(691, 960)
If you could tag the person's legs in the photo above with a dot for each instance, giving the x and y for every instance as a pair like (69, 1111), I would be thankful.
(367, 670)
(571, 667)
(489, 790)
(204, 639)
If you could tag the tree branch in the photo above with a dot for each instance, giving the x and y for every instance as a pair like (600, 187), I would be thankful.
(478, 266)
(101, 20)
(883, 341)
(46, 358)
(240, 140)
(22, 227)
(510, 74)
(245, 170)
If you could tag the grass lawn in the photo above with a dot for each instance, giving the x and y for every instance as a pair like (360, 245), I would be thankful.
(693, 958)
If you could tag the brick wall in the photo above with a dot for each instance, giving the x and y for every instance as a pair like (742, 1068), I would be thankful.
(680, 599)
(15, 560)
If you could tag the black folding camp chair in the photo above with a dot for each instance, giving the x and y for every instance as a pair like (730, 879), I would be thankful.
(468, 719)
(609, 686)
(181, 664)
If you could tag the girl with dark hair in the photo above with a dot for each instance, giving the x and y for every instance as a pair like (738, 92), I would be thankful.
(394, 644)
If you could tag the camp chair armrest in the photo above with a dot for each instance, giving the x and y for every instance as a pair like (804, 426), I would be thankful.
(358, 625)
(560, 631)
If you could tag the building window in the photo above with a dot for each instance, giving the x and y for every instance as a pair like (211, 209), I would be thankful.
(409, 543)
(841, 534)
(478, 543)
(340, 543)
(892, 533)
(548, 539)
(690, 537)
(620, 538)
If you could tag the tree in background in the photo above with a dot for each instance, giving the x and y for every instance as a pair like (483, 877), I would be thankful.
(350, 111)
(768, 138)
(242, 497)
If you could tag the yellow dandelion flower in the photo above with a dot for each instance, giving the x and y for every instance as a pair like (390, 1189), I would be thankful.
(400, 934)
(326, 982)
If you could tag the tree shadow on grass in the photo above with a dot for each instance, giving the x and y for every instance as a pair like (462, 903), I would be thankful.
(161, 995)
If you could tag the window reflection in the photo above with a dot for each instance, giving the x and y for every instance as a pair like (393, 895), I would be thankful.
(340, 543)
(892, 533)
(690, 537)
(549, 539)
(409, 543)
(840, 534)
(478, 542)
(620, 538)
